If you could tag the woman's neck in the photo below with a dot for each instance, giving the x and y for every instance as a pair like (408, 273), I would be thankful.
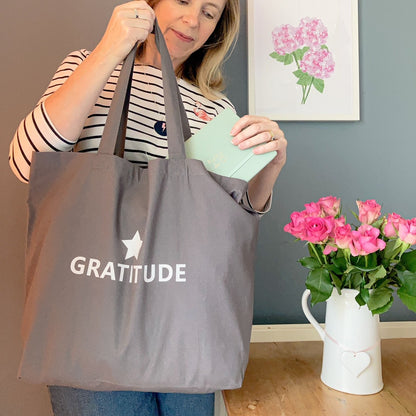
(151, 56)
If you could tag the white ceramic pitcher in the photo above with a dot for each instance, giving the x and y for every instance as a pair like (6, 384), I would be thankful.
(351, 359)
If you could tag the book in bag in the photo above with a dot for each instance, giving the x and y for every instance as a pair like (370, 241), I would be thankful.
(212, 145)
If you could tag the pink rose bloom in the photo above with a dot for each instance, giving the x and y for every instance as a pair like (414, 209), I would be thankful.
(339, 222)
(329, 249)
(364, 241)
(312, 33)
(318, 63)
(407, 231)
(330, 205)
(342, 236)
(313, 209)
(368, 211)
(392, 225)
(284, 39)
(317, 229)
(296, 227)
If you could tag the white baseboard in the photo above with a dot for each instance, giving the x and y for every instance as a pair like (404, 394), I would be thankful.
(306, 332)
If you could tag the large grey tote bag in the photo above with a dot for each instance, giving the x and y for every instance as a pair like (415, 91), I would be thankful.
(137, 279)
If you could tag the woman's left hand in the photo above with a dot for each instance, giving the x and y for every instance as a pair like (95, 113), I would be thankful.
(262, 132)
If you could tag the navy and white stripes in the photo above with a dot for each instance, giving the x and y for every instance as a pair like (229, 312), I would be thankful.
(37, 133)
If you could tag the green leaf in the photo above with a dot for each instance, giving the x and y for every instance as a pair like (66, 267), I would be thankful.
(338, 266)
(365, 294)
(379, 298)
(360, 268)
(360, 300)
(310, 262)
(305, 79)
(337, 282)
(298, 73)
(378, 223)
(386, 263)
(349, 269)
(356, 280)
(384, 308)
(366, 263)
(406, 275)
(319, 84)
(407, 291)
(375, 275)
(288, 59)
(383, 283)
(300, 52)
(333, 268)
(319, 283)
(372, 261)
(279, 58)
(392, 248)
(315, 250)
(324, 47)
(340, 263)
(408, 260)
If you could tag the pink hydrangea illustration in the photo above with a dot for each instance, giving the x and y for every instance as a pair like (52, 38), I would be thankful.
(318, 63)
(285, 39)
(306, 46)
(312, 33)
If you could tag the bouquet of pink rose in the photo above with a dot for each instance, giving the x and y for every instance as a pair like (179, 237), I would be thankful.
(374, 258)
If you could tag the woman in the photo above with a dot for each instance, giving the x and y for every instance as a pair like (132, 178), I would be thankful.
(72, 113)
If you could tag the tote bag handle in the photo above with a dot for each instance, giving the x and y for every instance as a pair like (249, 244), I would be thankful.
(114, 134)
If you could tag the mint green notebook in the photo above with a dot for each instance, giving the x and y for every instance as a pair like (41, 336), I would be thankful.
(212, 144)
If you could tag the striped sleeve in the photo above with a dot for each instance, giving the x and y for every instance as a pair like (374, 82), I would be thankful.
(36, 132)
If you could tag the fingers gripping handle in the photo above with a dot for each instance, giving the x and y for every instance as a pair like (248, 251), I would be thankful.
(113, 138)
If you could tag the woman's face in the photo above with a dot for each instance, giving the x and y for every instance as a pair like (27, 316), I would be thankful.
(187, 24)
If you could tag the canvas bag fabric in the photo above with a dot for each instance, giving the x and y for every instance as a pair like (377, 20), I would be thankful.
(137, 279)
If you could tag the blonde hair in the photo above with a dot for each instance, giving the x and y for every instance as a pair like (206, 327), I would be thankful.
(204, 67)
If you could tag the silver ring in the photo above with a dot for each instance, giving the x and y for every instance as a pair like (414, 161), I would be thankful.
(137, 14)
(272, 136)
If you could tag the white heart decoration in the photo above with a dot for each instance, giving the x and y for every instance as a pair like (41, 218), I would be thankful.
(355, 363)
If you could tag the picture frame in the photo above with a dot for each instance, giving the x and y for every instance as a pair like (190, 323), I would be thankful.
(303, 59)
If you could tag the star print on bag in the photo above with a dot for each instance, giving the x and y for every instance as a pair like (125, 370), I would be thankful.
(133, 246)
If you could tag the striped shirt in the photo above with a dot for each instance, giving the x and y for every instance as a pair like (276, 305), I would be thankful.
(145, 135)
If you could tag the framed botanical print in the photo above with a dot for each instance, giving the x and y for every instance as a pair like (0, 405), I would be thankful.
(303, 59)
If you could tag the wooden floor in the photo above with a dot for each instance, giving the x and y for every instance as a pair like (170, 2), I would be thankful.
(283, 379)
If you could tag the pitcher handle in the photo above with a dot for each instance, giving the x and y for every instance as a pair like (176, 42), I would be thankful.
(309, 316)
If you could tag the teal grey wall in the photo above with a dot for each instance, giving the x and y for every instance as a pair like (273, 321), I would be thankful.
(374, 158)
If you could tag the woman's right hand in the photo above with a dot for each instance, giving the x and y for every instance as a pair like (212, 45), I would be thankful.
(68, 107)
(125, 29)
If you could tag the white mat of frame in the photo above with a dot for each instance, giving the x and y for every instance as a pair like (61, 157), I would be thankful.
(306, 332)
